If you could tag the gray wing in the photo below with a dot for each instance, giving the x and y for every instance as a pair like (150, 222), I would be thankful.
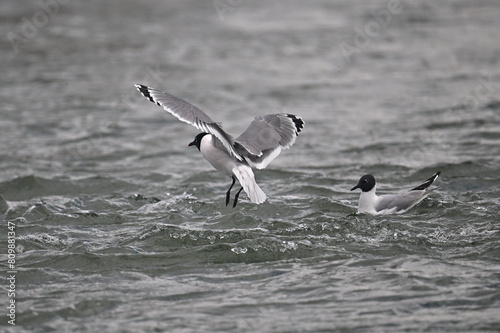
(190, 114)
(400, 202)
(404, 201)
(266, 136)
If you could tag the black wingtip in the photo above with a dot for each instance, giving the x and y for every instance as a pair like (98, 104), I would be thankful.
(299, 123)
(427, 183)
(144, 90)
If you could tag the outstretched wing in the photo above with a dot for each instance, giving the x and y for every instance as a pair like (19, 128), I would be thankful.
(266, 136)
(190, 114)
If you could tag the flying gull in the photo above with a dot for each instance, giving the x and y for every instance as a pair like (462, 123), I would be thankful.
(259, 144)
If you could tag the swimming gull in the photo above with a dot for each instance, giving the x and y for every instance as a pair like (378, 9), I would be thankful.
(371, 203)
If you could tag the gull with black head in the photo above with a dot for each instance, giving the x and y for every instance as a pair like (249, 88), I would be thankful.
(260, 143)
(371, 203)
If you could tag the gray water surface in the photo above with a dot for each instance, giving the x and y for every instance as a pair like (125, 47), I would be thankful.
(120, 227)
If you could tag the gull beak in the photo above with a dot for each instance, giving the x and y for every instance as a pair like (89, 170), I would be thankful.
(355, 187)
(191, 144)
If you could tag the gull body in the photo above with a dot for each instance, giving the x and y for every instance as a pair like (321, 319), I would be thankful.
(259, 144)
(371, 203)
(220, 159)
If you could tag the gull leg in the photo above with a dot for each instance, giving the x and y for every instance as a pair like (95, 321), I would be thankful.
(236, 197)
(228, 193)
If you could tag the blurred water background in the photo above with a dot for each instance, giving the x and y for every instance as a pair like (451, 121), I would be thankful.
(120, 227)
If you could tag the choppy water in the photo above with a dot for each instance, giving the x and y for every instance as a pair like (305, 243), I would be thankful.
(121, 228)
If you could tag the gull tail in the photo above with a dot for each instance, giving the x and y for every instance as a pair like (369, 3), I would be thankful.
(427, 183)
(245, 176)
